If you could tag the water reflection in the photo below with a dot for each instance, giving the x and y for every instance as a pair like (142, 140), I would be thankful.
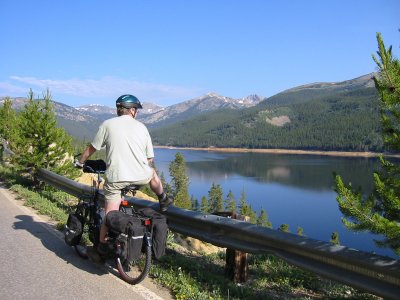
(307, 172)
(293, 189)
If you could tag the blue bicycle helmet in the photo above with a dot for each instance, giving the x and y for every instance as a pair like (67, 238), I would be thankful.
(128, 101)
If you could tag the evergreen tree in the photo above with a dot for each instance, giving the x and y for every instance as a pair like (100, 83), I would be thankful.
(242, 203)
(245, 208)
(335, 238)
(380, 211)
(230, 203)
(41, 143)
(180, 182)
(284, 228)
(8, 126)
(215, 198)
(195, 203)
(204, 205)
(8, 119)
(262, 219)
(300, 231)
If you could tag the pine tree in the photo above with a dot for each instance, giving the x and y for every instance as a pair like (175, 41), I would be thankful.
(284, 228)
(245, 208)
(180, 182)
(8, 119)
(195, 203)
(8, 126)
(262, 219)
(204, 205)
(380, 211)
(215, 198)
(230, 202)
(335, 238)
(41, 143)
(242, 203)
(300, 231)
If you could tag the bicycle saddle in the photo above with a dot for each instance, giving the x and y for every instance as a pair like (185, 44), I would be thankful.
(130, 188)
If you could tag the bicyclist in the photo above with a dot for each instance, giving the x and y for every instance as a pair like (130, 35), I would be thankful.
(129, 157)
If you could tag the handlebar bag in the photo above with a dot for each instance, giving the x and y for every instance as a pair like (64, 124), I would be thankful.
(97, 165)
(74, 229)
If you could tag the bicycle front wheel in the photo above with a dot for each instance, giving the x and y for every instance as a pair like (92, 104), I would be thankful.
(136, 271)
(80, 248)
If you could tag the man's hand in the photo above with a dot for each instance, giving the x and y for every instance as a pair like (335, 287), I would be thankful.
(77, 164)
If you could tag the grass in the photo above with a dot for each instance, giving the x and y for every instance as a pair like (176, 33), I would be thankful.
(203, 277)
(200, 275)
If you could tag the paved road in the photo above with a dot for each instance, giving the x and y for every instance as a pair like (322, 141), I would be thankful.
(35, 263)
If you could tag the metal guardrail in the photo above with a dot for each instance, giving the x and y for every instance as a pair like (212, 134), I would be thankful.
(379, 275)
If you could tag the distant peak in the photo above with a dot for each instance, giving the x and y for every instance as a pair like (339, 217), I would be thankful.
(212, 94)
(253, 97)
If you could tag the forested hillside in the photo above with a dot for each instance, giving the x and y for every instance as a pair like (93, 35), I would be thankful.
(319, 116)
(335, 117)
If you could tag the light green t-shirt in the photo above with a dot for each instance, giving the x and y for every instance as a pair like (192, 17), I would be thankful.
(128, 146)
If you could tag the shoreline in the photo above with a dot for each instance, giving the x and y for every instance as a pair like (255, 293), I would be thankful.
(285, 151)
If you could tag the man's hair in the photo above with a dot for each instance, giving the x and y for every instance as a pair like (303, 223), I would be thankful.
(123, 111)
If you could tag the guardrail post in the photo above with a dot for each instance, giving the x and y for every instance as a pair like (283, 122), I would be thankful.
(236, 267)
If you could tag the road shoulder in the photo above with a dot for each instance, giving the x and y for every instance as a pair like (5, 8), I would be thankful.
(149, 289)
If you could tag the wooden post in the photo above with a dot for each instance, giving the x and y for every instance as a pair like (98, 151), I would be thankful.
(236, 268)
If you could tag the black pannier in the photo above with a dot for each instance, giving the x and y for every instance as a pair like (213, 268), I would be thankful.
(74, 229)
(159, 230)
(131, 232)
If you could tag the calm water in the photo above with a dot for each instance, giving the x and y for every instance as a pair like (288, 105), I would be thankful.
(293, 189)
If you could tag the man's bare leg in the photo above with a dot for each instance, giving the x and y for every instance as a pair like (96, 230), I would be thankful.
(108, 206)
(155, 184)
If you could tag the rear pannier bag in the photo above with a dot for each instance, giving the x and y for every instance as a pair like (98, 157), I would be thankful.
(135, 240)
(74, 229)
(159, 230)
(130, 230)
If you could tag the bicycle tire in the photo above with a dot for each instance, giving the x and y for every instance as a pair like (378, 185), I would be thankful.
(81, 250)
(136, 271)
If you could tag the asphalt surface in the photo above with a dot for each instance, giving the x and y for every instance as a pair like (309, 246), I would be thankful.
(35, 263)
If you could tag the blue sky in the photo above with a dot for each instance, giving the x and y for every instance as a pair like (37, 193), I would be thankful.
(167, 52)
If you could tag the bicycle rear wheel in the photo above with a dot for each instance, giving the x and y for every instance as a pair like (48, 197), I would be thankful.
(136, 271)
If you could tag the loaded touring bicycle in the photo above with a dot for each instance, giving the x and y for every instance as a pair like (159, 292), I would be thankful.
(134, 235)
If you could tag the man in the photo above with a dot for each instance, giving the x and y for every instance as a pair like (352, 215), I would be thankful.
(129, 158)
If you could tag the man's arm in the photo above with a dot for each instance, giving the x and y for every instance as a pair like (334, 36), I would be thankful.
(87, 153)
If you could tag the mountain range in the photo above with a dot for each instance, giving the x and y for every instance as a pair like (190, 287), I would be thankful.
(303, 117)
(340, 116)
(82, 121)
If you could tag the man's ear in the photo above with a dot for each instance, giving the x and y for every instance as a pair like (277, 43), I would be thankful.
(133, 112)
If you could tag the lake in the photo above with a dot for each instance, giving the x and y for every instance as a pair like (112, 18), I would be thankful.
(293, 189)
